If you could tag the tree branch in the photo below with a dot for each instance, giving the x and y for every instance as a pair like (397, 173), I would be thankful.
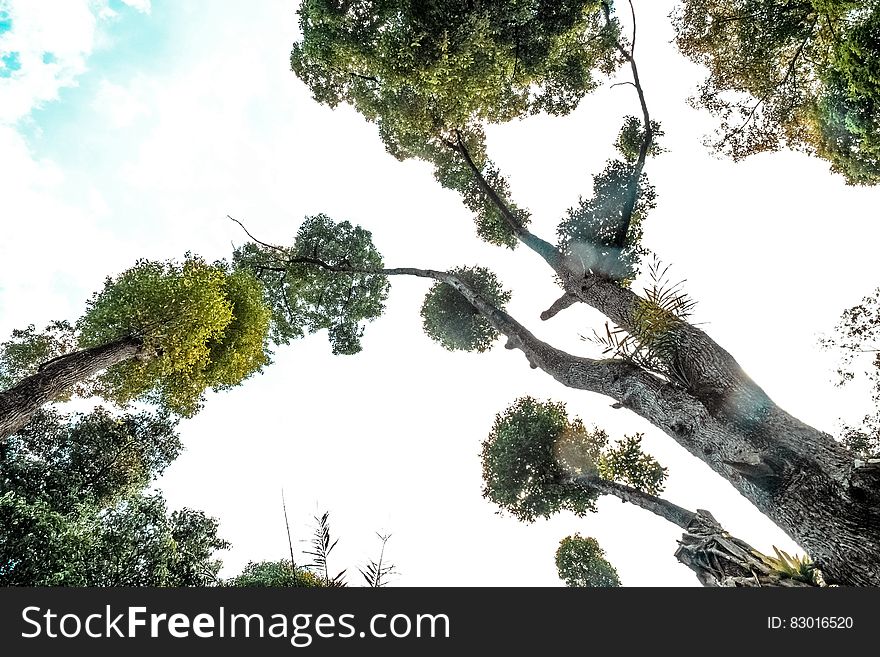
(632, 10)
(788, 72)
(648, 136)
(716, 557)
(656, 505)
(565, 301)
(543, 248)
(722, 418)
(247, 232)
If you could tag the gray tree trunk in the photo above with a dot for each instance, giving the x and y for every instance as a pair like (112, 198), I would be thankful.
(53, 379)
(798, 476)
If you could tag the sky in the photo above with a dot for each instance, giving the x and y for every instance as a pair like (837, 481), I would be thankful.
(131, 129)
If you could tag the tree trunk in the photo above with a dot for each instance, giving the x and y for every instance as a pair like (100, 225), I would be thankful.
(799, 477)
(21, 401)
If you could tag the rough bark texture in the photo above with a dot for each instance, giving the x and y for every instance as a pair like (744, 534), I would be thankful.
(21, 401)
(719, 559)
(656, 505)
(801, 478)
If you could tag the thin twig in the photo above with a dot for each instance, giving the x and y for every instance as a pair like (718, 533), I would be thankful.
(287, 525)
(268, 246)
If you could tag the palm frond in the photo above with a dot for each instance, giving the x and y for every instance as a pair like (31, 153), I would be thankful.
(322, 546)
(796, 567)
(664, 305)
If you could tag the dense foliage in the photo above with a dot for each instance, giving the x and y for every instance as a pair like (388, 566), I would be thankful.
(534, 451)
(203, 326)
(327, 280)
(275, 574)
(800, 73)
(580, 562)
(433, 74)
(451, 320)
(75, 508)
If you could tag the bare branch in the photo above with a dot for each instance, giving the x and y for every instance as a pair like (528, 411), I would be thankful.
(287, 525)
(785, 78)
(632, 47)
(247, 232)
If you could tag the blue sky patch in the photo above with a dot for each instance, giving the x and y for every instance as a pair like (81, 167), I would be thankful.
(5, 21)
(9, 63)
(136, 43)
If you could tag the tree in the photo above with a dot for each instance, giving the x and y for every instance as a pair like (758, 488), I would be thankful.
(535, 461)
(803, 74)
(93, 459)
(75, 509)
(371, 55)
(276, 574)
(538, 462)
(856, 340)
(159, 332)
(581, 563)
(336, 296)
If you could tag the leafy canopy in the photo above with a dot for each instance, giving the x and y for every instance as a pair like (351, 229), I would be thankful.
(451, 320)
(328, 279)
(534, 450)
(580, 562)
(97, 458)
(74, 509)
(803, 74)
(433, 74)
(202, 325)
(421, 68)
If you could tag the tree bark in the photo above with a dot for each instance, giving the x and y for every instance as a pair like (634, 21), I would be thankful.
(656, 505)
(21, 401)
(801, 478)
(798, 476)
(719, 559)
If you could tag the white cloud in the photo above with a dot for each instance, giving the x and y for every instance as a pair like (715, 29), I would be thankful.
(142, 6)
(52, 39)
(43, 232)
(121, 106)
